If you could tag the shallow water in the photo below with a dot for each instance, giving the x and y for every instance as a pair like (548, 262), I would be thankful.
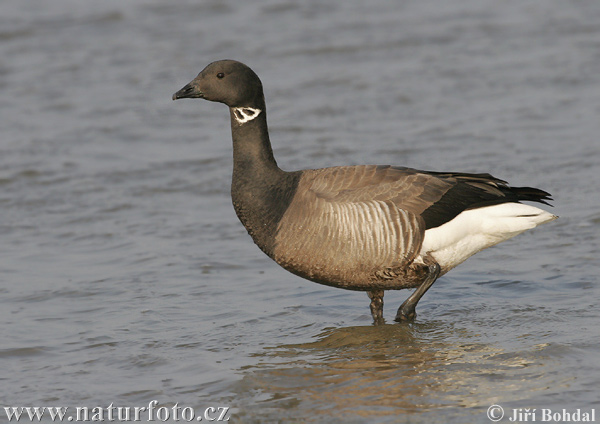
(125, 276)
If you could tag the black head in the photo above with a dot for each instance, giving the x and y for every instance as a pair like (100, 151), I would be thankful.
(225, 81)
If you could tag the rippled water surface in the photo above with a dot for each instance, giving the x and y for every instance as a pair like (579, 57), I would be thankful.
(125, 276)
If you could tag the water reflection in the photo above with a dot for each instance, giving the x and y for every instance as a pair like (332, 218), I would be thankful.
(387, 371)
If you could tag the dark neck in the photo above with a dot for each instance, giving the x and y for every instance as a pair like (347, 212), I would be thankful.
(261, 192)
(252, 150)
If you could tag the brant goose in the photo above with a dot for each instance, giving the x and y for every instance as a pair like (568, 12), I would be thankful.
(367, 228)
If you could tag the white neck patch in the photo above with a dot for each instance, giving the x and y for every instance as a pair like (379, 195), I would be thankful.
(245, 114)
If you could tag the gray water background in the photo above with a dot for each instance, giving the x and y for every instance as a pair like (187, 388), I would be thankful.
(125, 276)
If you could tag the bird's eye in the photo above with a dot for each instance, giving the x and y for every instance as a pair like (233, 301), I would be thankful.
(220, 75)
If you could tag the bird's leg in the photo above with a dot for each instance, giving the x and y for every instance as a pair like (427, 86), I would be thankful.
(376, 297)
(407, 312)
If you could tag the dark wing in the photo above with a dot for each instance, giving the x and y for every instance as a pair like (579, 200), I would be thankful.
(437, 197)
(472, 191)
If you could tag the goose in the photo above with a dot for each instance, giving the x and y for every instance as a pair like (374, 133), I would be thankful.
(366, 228)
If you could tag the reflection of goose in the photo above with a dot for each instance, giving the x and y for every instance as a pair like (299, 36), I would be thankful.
(426, 372)
(370, 228)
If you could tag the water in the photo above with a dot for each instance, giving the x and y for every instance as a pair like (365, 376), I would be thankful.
(126, 278)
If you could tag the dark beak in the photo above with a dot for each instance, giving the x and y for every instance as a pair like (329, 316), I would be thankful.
(190, 91)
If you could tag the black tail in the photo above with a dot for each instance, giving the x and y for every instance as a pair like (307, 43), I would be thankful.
(532, 194)
(473, 191)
